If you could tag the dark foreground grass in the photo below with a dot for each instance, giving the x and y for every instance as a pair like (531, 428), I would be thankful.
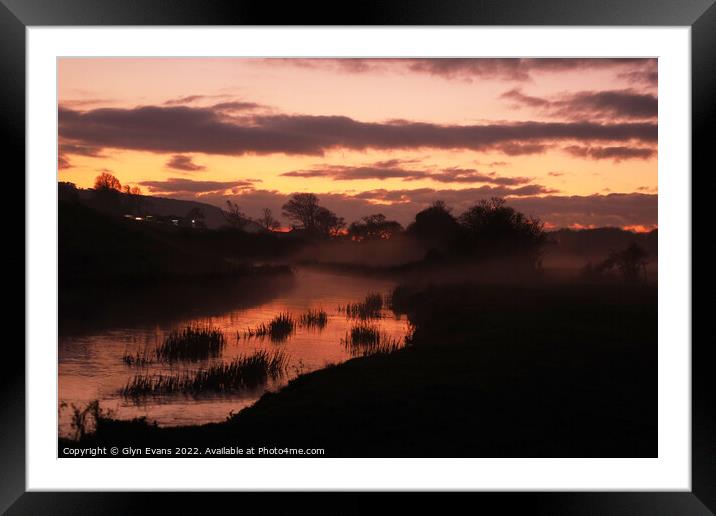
(191, 343)
(491, 371)
(244, 372)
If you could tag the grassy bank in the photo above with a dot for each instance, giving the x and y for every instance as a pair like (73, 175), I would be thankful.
(491, 371)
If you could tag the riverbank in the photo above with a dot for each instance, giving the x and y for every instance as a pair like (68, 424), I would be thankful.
(491, 371)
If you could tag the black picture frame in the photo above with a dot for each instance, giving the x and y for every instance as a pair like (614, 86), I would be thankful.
(700, 15)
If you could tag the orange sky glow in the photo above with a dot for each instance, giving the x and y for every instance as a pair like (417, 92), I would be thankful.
(572, 141)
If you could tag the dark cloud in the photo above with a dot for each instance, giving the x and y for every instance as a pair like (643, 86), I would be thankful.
(469, 175)
(178, 185)
(389, 170)
(518, 69)
(427, 195)
(315, 172)
(480, 68)
(346, 173)
(237, 106)
(614, 209)
(516, 95)
(228, 105)
(190, 99)
(65, 149)
(80, 150)
(184, 129)
(394, 162)
(614, 153)
(187, 99)
(182, 162)
(648, 77)
(620, 104)
(519, 149)
(392, 169)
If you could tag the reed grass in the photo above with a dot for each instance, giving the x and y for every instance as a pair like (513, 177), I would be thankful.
(278, 329)
(364, 334)
(192, 343)
(369, 308)
(365, 339)
(314, 319)
(243, 372)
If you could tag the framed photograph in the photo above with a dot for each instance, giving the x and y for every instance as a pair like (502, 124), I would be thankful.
(435, 249)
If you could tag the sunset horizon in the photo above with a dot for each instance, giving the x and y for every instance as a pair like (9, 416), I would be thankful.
(572, 142)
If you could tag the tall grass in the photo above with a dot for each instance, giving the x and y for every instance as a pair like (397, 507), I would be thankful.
(365, 339)
(364, 334)
(314, 319)
(192, 343)
(278, 329)
(243, 372)
(84, 421)
(369, 308)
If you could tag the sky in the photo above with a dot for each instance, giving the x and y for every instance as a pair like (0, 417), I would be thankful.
(570, 141)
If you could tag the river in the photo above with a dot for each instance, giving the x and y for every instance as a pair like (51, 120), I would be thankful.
(91, 349)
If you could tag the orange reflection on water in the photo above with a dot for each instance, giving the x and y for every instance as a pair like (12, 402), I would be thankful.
(91, 363)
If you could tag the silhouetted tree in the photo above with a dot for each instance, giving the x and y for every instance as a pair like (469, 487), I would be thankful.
(106, 181)
(597, 271)
(302, 209)
(132, 190)
(492, 228)
(234, 216)
(374, 227)
(631, 262)
(328, 223)
(107, 194)
(305, 213)
(267, 221)
(435, 226)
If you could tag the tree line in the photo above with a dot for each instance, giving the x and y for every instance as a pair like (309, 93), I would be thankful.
(488, 229)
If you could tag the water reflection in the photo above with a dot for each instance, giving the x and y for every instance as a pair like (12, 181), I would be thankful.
(92, 356)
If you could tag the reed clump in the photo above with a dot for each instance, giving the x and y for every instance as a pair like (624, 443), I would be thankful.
(243, 372)
(369, 308)
(317, 319)
(191, 343)
(278, 329)
(365, 339)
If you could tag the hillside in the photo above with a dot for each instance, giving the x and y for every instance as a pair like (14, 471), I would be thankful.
(98, 247)
(165, 207)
